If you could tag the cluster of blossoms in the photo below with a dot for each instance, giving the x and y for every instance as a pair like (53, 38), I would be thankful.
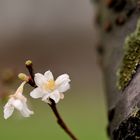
(46, 88)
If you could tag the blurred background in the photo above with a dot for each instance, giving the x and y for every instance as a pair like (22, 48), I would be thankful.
(60, 36)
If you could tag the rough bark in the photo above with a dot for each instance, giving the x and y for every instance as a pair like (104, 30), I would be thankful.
(117, 19)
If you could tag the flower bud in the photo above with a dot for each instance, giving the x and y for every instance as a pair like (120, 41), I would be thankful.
(28, 63)
(23, 77)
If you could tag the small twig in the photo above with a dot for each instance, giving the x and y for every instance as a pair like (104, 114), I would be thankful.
(60, 121)
(29, 66)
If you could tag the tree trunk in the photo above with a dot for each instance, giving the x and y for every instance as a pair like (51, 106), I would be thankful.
(119, 50)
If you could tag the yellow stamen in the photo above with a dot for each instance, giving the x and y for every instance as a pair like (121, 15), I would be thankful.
(50, 85)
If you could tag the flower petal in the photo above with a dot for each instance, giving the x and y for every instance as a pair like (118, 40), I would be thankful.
(55, 96)
(18, 104)
(8, 110)
(62, 79)
(36, 93)
(61, 96)
(63, 87)
(46, 97)
(48, 74)
(40, 79)
(26, 112)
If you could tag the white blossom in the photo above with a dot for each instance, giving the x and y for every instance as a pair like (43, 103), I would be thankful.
(48, 88)
(17, 101)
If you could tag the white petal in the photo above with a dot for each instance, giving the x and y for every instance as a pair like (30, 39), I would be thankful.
(18, 93)
(40, 79)
(17, 104)
(63, 87)
(36, 93)
(48, 74)
(61, 96)
(8, 110)
(20, 97)
(62, 79)
(55, 96)
(26, 112)
(46, 97)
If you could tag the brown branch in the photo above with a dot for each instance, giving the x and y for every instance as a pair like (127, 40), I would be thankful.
(60, 121)
(123, 106)
(29, 66)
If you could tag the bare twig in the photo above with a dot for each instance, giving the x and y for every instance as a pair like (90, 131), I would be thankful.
(60, 121)
(29, 66)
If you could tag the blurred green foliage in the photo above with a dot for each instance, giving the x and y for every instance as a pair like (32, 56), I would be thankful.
(85, 115)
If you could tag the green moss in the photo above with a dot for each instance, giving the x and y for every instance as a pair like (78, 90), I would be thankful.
(131, 58)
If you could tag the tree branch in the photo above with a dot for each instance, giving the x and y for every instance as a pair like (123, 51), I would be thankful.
(123, 105)
(52, 104)
(60, 120)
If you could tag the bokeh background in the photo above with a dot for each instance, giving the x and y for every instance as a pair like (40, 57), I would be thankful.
(60, 36)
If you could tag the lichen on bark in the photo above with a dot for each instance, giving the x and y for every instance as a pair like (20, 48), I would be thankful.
(131, 58)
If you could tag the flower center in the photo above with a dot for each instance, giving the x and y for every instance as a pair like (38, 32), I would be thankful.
(50, 85)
